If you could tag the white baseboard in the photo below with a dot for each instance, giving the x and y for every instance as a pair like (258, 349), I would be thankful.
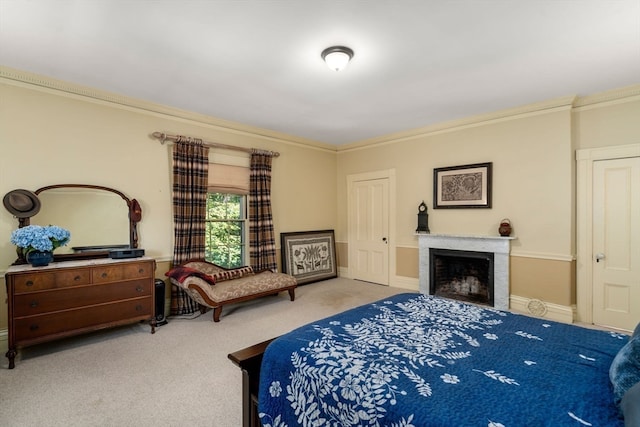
(546, 310)
(409, 283)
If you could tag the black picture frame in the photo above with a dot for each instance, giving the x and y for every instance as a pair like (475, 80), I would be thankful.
(309, 256)
(465, 186)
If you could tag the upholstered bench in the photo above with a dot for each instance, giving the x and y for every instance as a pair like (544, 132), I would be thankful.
(213, 286)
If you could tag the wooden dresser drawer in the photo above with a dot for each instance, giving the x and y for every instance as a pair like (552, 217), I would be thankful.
(38, 281)
(105, 315)
(76, 297)
(63, 299)
(105, 274)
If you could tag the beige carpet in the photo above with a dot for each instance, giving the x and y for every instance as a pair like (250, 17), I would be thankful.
(128, 377)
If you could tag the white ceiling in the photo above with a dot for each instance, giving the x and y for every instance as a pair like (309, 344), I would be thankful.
(258, 62)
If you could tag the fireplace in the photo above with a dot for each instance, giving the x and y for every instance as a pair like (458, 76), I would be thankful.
(461, 275)
(498, 247)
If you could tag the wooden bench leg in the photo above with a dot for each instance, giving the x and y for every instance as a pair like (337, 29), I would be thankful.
(292, 294)
(216, 313)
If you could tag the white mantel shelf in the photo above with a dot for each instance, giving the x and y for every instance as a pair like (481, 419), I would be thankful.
(498, 245)
(466, 236)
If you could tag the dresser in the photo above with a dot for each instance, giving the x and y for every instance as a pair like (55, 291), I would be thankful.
(76, 297)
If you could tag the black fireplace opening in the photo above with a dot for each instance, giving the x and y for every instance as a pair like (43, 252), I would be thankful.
(462, 275)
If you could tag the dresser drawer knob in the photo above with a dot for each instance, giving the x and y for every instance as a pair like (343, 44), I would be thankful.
(34, 327)
(29, 283)
(77, 278)
(138, 307)
(139, 289)
(34, 304)
(141, 270)
(103, 275)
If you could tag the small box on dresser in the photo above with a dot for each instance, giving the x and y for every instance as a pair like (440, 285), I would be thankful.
(75, 297)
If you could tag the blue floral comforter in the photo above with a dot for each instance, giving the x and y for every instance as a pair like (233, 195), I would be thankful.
(416, 360)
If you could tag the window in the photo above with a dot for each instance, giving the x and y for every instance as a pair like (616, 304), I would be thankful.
(225, 229)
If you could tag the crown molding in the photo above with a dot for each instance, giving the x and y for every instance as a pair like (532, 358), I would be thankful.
(544, 107)
(572, 102)
(32, 80)
(614, 96)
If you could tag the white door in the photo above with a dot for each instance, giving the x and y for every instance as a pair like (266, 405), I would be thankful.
(616, 242)
(369, 231)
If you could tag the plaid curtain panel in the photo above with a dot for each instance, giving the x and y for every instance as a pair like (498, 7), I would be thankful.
(190, 170)
(262, 245)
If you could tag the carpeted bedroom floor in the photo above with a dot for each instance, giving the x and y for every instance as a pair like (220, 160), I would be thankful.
(180, 376)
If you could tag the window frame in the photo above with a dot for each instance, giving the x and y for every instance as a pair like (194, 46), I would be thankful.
(243, 220)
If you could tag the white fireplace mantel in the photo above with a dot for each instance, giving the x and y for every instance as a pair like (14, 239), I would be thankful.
(499, 246)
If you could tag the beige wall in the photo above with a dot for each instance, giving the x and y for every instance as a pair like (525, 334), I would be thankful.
(608, 119)
(50, 136)
(407, 262)
(533, 154)
(531, 158)
(544, 279)
(532, 184)
(52, 132)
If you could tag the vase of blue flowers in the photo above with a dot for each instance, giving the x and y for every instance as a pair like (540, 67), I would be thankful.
(39, 259)
(37, 242)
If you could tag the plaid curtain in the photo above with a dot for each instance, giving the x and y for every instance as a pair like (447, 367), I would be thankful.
(262, 245)
(190, 170)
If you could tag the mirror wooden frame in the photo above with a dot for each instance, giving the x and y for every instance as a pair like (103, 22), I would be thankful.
(134, 211)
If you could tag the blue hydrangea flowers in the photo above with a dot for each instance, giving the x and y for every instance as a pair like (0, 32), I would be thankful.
(38, 238)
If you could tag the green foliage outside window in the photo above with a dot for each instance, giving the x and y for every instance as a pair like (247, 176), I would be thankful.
(224, 233)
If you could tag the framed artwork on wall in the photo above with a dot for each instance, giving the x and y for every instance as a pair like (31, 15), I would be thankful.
(466, 186)
(309, 256)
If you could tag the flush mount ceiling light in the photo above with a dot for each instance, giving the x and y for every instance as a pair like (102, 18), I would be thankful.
(337, 57)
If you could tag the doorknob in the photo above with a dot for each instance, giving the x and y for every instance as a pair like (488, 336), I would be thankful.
(599, 256)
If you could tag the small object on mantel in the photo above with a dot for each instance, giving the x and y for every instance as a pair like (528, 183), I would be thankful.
(505, 227)
(423, 219)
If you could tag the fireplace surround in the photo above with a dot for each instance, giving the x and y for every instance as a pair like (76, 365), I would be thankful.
(500, 247)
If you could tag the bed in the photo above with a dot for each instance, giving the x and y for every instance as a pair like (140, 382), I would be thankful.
(418, 360)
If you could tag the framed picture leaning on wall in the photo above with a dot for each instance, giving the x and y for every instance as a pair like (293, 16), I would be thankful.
(309, 256)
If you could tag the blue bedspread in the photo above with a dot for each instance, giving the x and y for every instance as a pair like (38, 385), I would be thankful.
(416, 360)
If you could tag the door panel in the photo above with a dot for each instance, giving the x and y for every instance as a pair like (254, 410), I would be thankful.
(370, 229)
(616, 242)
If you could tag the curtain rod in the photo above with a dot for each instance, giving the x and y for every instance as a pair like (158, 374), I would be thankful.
(163, 137)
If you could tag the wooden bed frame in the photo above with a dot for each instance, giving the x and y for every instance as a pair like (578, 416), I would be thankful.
(249, 360)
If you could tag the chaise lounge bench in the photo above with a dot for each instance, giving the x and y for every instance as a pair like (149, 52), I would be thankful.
(213, 286)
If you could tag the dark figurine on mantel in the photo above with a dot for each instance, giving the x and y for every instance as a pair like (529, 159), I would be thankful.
(423, 219)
